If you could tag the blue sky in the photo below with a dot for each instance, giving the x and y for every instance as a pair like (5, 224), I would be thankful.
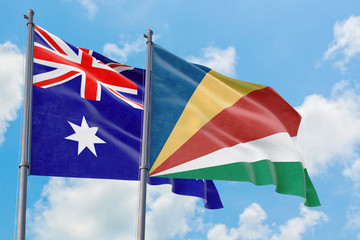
(307, 51)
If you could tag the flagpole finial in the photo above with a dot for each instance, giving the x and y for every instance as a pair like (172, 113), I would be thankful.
(30, 16)
(149, 36)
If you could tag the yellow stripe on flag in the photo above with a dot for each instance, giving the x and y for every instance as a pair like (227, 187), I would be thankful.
(214, 93)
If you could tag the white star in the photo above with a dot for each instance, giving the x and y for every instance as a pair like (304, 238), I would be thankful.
(85, 136)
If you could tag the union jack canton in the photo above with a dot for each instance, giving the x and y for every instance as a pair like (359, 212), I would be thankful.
(67, 62)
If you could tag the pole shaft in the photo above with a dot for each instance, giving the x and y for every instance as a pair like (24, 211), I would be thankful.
(144, 167)
(26, 129)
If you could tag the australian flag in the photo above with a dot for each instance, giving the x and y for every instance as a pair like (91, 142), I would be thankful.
(87, 116)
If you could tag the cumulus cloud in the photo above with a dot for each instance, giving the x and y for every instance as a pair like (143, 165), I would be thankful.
(330, 129)
(11, 82)
(251, 223)
(296, 227)
(221, 60)
(252, 226)
(85, 209)
(121, 54)
(346, 41)
(107, 209)
(170, 215)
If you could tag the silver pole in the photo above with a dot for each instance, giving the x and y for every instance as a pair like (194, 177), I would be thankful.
(144, 167)
(25, 144)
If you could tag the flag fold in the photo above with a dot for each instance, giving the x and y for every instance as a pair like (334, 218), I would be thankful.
(208, 126)
(87, 116)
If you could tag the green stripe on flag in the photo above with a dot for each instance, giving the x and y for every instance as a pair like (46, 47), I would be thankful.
(289, 177)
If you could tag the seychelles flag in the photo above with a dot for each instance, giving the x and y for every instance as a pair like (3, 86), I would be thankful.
(209, 126)
(87, 116)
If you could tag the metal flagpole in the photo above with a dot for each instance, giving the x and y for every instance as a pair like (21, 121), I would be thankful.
(144, 167)
(25, 144)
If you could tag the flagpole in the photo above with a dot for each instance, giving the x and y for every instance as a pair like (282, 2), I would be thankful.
(144, 167)
(25, 144)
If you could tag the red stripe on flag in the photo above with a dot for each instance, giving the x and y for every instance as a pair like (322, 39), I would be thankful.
(46, 55)
(261, 113)
(126, 99)
(50, 40)
(56, 80)
(114, 65)
(91, 89)
(85, 50)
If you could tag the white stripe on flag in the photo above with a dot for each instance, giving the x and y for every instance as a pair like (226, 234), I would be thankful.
(279, 147)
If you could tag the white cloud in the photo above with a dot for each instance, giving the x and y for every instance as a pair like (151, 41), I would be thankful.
(220, 232)
(90, 6)
(251, 223)
(11, 81)
(346, 41)
(170, 215)
(252, 226)
(85, 209)
(298, 226)
(330, 128)
(76, 209)
(114, 52)
(221, 60)
(353, 218)
(353, 171)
